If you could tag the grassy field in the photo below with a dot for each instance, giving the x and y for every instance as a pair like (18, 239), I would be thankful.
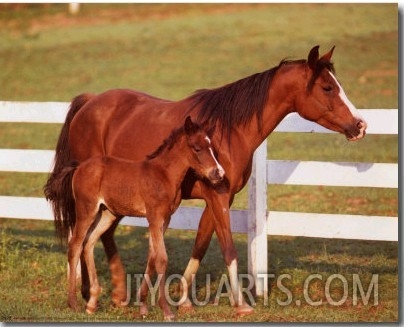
(169, 51)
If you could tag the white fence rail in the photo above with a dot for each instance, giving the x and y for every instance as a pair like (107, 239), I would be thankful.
(254, 220)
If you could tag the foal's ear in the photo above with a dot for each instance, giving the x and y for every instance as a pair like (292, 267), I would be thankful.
(313, 57)
(189, 126)
(328, 55)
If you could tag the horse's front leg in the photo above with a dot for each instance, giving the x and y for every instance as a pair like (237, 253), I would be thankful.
(118, 274)
(220, 207)
(202, 241)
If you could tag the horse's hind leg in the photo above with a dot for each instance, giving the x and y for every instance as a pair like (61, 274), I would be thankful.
(118, 274)
(104, 223)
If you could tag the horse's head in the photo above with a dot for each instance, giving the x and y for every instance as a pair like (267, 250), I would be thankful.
(202, 158)
(324, 101)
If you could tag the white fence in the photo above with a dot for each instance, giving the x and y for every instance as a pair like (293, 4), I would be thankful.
(257, 221)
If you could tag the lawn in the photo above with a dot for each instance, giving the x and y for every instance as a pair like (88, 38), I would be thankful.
(170, 50)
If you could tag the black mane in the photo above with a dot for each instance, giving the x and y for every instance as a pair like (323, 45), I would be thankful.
(237, 103)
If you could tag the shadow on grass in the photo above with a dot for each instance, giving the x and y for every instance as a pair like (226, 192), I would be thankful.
(309, 255)
(43, 277)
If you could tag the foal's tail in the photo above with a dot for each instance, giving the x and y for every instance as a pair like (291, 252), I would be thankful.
(58, 188)
(62, 182)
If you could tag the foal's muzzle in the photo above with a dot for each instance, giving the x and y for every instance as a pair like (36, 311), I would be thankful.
(216, 175)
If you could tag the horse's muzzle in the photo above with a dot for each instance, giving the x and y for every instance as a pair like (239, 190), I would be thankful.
(360, 131)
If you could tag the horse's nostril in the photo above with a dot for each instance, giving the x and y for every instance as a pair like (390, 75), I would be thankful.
(361, 124)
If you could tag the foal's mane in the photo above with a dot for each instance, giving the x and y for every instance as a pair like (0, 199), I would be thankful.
(168, 143)
(237, 103)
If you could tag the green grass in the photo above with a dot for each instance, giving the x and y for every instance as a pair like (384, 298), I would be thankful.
(33, 266)
(170, 50)
(199, 46)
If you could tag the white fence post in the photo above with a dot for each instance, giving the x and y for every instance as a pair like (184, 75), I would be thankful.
(257, 220)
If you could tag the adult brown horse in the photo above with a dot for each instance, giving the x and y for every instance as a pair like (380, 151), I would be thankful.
(242, 114)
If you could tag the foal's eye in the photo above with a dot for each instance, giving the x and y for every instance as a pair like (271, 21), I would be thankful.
(197, 149)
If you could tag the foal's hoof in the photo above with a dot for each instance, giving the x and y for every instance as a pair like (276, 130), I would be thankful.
(74, 306)
(143, 311)
(244, 310)
(169, 317)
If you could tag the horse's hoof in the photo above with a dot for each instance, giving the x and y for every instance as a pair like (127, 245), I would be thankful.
(244, 310)
(119, 298)
(118, 302)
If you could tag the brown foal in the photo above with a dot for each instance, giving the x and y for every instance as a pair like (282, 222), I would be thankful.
(108, 188)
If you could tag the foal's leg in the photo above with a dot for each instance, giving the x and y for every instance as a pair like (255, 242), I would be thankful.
(149, 271)
(84, 220)
(105, 222)
(118, 274)
(160, 265)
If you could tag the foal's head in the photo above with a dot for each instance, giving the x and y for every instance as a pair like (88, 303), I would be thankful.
(200, 153)
(193, 143)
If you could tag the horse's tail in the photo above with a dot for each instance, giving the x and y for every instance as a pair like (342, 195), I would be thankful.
(58, 188)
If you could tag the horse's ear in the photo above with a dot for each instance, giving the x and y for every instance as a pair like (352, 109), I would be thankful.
(328, 55)
(189, 126)
(313, 57)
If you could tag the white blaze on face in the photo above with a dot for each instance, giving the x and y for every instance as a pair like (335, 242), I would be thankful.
(219, 167)
(362, 125)
(345, 99)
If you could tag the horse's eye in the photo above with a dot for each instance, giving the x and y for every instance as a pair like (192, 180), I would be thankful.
(327, 88)
(197, 149)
